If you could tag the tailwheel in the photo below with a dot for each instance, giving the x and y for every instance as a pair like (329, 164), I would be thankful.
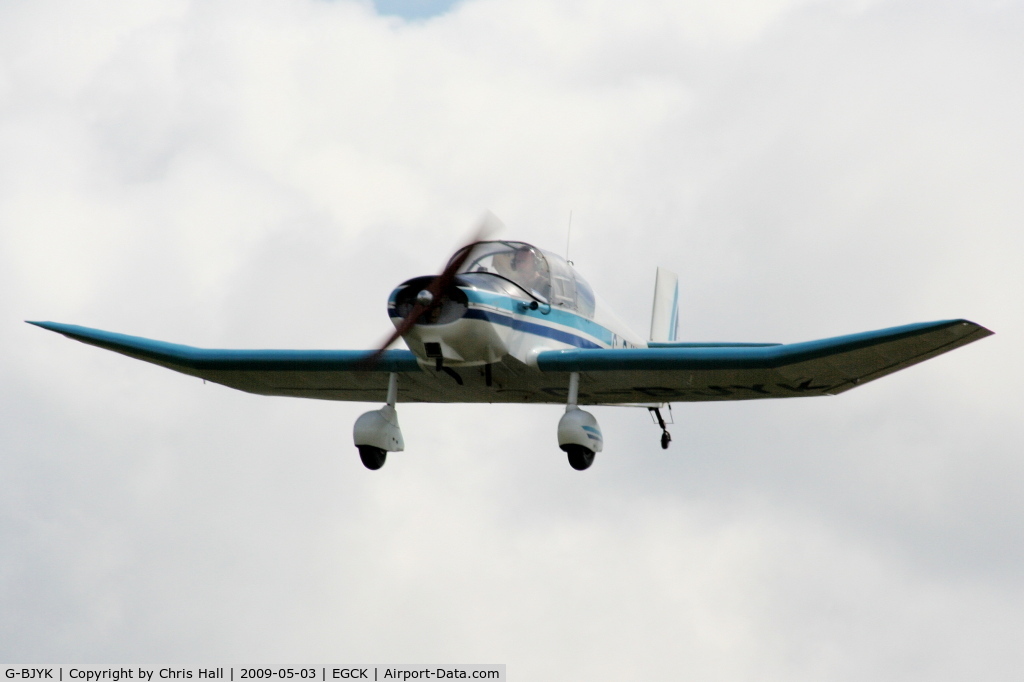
(373, 458)
(580, 458)
(666, 437)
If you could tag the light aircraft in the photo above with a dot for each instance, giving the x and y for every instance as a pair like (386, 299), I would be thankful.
(506, 322)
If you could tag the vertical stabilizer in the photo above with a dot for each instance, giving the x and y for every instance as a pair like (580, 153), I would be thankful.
(665, 315)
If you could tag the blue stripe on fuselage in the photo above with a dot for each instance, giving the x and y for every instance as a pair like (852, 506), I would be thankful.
(564, 318)
(525, 326)
(530, 327)
(513, 306)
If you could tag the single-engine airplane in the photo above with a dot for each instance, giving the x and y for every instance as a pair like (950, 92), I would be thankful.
(506, 322)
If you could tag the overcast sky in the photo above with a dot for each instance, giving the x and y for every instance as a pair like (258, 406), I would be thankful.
(260, 174)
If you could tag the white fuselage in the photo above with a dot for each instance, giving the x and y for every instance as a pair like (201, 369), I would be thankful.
(497, 325)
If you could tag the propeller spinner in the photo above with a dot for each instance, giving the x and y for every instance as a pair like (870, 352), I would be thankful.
(431, 296)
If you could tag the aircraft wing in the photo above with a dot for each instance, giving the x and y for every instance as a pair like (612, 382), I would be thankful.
(695, 372)
(324, 374)
(668, 372)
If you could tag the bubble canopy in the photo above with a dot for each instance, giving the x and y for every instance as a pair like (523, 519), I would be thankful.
(541, 274)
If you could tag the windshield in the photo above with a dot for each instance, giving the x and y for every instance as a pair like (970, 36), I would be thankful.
(523, 264)
(543, 274)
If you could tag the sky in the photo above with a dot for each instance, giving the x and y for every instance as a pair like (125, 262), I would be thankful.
(261, 174)
(413, 10)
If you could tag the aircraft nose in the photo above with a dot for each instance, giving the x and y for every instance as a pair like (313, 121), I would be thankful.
(449, 306)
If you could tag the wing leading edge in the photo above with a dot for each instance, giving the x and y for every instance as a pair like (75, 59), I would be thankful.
(670, 372)
(324, 374)
(688, 372)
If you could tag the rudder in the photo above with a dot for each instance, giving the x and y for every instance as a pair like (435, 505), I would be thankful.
(665, 313)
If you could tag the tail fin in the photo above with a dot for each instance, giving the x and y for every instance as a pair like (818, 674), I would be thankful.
(665, 315)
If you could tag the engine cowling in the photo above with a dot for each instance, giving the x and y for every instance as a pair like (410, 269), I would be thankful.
(447, 333)
(451, 307)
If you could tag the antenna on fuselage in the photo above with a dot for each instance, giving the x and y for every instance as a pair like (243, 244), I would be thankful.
(568, 238)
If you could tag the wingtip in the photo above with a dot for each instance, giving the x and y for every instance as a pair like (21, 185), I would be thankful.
(51, 327)
(983, 331)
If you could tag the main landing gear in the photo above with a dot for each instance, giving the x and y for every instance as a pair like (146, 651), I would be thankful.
(377, 433)
(579, 435)
(580, 458)
(373, 458)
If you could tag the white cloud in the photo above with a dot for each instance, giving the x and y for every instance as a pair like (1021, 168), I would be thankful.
(261, 174)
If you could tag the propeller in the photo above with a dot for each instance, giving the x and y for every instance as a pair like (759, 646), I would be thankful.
(431, 296)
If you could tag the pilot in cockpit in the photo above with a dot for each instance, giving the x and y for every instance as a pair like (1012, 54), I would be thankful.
(528, 271)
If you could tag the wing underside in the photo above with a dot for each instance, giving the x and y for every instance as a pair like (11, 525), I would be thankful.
(322, 374)
(689, 373)
(669, 373)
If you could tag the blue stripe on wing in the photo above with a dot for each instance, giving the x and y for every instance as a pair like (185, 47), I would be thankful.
(224, 359)
(682, 357)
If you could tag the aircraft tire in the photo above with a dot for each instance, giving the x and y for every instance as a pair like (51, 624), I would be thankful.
(580, 458)
(373, 458)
